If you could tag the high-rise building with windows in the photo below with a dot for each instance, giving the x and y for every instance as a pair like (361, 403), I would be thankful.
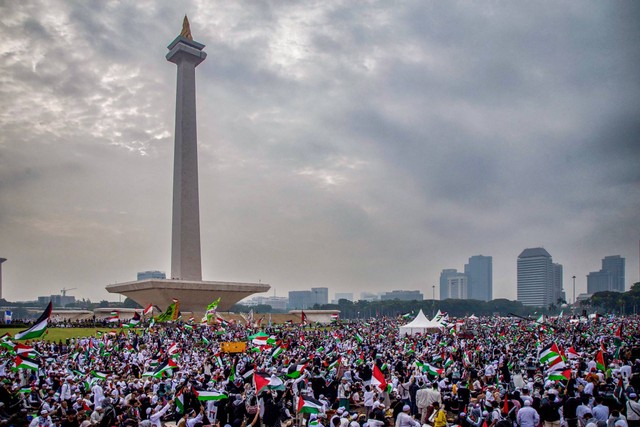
(444, 285)
(479, 273)
(300, 300)
(457, 286)
(536, 283)
(609, 278)
(558, 291)
(320, 296)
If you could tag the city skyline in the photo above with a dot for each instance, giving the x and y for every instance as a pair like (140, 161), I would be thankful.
(361, 148)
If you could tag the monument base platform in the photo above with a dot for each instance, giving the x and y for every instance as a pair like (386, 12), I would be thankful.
(193, 296)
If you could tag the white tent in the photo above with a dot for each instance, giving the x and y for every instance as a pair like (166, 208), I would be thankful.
(420, 325)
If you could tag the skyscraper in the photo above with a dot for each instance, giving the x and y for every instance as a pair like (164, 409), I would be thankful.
(444, 285)
(320, 296)
(535, 277)
(558, 291)
(609, 278)
(614, 265)
(457, 286)
(479, 273)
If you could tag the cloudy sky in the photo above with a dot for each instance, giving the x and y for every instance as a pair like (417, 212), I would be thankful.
(362, 146)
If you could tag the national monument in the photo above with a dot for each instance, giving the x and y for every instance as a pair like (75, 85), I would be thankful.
(186, 282)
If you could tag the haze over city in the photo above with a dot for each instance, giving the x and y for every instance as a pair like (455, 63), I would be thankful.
(360, 147)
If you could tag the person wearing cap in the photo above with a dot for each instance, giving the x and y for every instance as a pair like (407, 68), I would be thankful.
(42, 420)
(96, 416)
(404, 419)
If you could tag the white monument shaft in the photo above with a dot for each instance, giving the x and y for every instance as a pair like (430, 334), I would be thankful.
(185, 244)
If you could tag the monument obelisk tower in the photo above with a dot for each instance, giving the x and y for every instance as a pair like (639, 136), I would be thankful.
(186, 282)
(185, 237)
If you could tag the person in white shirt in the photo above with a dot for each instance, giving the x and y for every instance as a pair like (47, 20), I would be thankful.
(156, 415)
(406, 420)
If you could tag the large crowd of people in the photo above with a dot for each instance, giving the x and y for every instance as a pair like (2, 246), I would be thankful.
(493, 372)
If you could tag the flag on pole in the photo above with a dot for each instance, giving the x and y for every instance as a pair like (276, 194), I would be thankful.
(26, 364)
(572, 353)
(39, 328)
(560, 375)
(295, 371)
(149, 310)
(210, 395)
(115, 317)
(179, 402)
(600, 361)
(549, 353)
(377, 379)
(309, 405)
(303, 318)
(171, 313)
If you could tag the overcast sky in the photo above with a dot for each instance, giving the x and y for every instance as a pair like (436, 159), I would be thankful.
(361, 146)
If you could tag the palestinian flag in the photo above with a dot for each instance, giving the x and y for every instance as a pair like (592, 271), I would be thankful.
(549, 353)
(572, 353)
(560, 375)
(25, 350)
(617, 338)
(359, 338)
(25, 390)
(335, 317)
(99, 375)
(303, 318)
(8, 345)
(166, 366)
(39, 328)
(26, 364)
(448, 362)
(210, 395)
(309, 405)
(277, 352)
(336, 363)
(135, 320)
(179, 399)
(432, 370)
(261, 380)
(295, 371)
(437, 358)
(600, 361)
(377, 379)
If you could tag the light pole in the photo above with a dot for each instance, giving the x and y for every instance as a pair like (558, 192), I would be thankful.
(574, 289)
(433, 301)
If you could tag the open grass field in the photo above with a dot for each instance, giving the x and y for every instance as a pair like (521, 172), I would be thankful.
(61, 334)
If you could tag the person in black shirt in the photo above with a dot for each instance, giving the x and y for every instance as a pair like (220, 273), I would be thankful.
(569, 410)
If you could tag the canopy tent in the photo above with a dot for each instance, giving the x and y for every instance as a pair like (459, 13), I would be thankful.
(420, 325)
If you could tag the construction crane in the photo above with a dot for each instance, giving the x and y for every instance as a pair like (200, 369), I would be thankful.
(64, 291)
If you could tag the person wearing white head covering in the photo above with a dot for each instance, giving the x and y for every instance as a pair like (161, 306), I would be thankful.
(406, 420)
(528, 416)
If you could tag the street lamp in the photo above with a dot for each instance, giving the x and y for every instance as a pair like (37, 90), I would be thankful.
(574, 289)
(433, 301)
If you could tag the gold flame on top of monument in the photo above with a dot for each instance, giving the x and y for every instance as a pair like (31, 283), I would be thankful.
(186, 29)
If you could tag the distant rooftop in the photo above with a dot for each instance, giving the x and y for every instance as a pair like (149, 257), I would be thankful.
(534, 252)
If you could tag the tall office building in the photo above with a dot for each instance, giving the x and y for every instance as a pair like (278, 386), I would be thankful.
(457, 286)
(444, 286)
(609, 278)
(614, 265)
(343, 295)
(535, 277)
(558, 291)
(300, 300)
(320, 296)
(479, 273)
